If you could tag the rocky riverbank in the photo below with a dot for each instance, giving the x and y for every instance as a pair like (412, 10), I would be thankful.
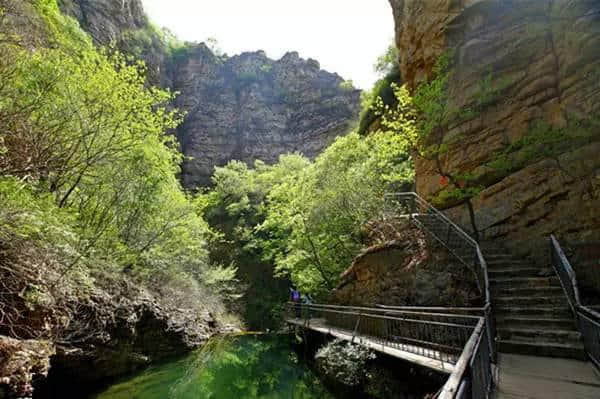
(106, 334)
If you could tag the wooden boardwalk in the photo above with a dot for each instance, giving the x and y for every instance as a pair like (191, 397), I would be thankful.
(421, 356)
(531, 377)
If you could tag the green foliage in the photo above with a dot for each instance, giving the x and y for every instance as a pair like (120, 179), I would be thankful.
(347, 85)
(214, 46)
(424, 118)
(305, 218)
(87, 169)
(382, 91)
(64, 31)
(150, 40)
(266, 68)
(388, 61)
(233, 208)
(254, 73)
(387, 66)
(542, 141)
(29, 214)
(432, 102)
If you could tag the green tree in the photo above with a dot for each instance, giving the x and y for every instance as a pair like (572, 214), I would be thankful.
(86, 149)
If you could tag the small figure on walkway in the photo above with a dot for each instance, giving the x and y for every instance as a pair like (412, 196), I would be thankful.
(295, 298)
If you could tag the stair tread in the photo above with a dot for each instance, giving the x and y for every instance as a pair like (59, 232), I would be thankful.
(535, 310)
(533, 319)
(572, 349)
(495, 263)
(573, 345)
(515, 268)
(538, 308)
(534, 288)
(521, 297)
(538, 330)
(516, 323)
(516, 272)
(524, 278)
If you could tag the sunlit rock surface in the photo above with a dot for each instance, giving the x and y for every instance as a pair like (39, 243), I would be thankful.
(402, 266)
(542, 58)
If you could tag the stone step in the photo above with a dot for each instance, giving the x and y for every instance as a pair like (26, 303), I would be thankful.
(499, 258)
(573, 351)
(540, 335)
(499, 263)
(524, 282)
(530, 300)
(510, 321)
(557, 311)
(513, 271)
(541, 291)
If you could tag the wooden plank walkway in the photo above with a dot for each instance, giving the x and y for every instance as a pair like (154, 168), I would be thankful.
(410, 353)
(531, 377)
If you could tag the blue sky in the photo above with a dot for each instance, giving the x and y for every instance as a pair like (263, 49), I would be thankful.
(345, 36)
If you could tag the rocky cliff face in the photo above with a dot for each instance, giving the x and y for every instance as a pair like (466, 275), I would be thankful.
(106, 20)
(247, 107)
(250, 107)
(542, 59)
(401, 266)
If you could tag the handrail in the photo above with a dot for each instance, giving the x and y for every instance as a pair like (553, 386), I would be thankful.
(588, 320)
(410, 310)
(482, 280)
(431, 308)
(560, 260)
(472, 374)
(451, 388)
(433, 335)
(482, 354)
(374, 312)
(435, 211)
(480, 270)
(429, 337)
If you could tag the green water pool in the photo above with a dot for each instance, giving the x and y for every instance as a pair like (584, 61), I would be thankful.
(239, 367)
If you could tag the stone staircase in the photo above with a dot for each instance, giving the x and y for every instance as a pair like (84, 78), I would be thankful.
(532, 312)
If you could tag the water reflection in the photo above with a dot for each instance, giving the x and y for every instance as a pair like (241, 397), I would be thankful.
(230, 368)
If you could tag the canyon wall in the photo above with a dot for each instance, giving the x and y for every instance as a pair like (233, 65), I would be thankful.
(245, 107)
(250, 107)
(531, 70)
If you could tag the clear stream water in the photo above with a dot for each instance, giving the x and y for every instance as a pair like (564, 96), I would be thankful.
(239, 367)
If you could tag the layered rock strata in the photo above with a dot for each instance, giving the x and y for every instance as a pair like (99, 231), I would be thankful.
(529, 73)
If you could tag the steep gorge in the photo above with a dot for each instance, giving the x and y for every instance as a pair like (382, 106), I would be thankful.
(245, 107)
(528, 71)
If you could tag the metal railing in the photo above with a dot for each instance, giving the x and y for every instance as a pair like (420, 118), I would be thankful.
(451, 335)
(472, 375)
(454, 239)
(588, 320)
(444, 334)
(434, 335)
